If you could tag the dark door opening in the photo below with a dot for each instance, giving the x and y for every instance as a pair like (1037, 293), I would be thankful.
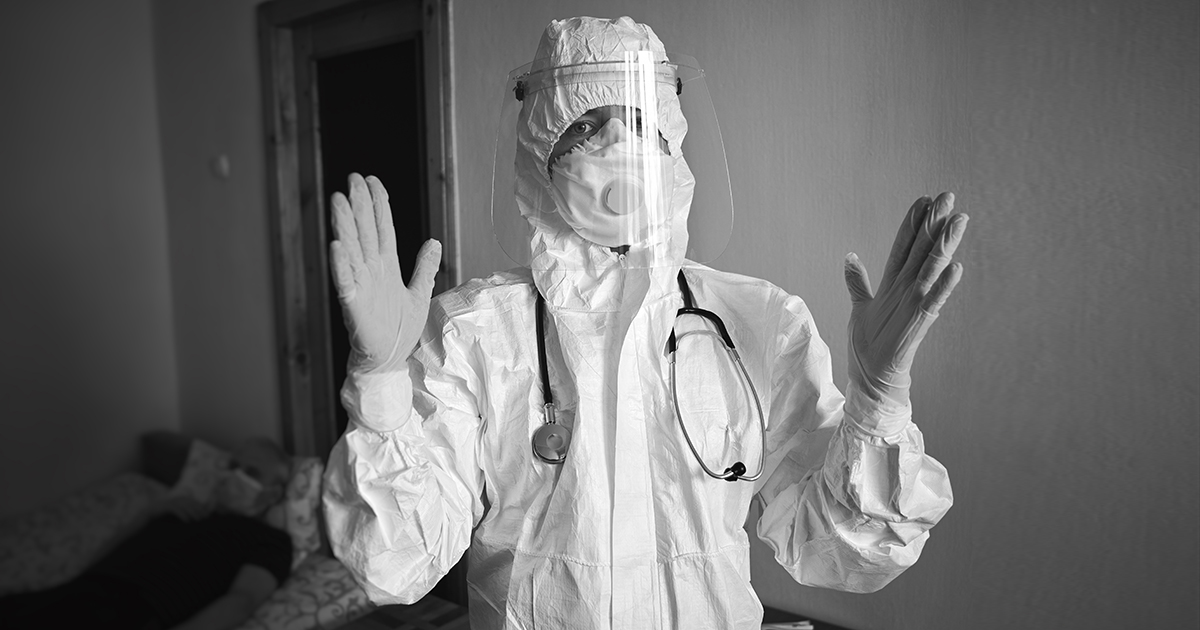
(371, 122)
(349, 86)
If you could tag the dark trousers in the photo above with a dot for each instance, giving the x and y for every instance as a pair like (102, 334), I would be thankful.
(88, 601)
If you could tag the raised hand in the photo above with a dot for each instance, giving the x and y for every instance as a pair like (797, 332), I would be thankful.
(384, 317)
(887, 327)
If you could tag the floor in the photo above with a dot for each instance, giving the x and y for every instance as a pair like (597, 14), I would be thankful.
(433, 613)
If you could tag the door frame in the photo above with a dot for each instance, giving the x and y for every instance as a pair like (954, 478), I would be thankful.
(296, 202)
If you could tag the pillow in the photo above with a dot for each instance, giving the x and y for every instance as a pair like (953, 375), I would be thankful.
(298, 512)
(205, 466)
(164, 454)
(319, 594)
(302, 507)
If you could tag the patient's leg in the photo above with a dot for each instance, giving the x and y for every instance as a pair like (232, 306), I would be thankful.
(89, 601)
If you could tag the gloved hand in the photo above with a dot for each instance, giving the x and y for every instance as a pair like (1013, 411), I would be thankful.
(384, 317)
(887, 327)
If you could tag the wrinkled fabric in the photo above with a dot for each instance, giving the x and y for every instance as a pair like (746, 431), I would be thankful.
(628, 532)
(583, 274)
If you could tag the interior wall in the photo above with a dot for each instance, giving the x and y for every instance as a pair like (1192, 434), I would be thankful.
(1059, 386)
(206, 54)
(87, 357)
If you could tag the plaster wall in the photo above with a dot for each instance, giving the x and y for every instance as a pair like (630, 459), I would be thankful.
(206, 57)
(87, 354)
(1059, 386)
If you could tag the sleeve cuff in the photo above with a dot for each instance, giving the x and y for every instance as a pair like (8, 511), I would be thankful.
(874, 418)
(378, 401)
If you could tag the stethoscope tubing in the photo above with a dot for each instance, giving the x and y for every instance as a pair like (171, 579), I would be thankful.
(733, 473)
(549, 418)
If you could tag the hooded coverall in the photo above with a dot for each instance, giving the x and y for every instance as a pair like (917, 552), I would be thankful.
(628, 532)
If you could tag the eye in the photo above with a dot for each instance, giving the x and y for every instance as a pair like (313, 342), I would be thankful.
(581, 128)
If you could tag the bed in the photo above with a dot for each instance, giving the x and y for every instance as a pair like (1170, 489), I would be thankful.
(53, 544)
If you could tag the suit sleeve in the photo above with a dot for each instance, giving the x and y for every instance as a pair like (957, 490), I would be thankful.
(403, 485)
(847, 503)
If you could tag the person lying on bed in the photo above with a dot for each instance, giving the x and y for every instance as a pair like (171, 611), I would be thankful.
(182, 564)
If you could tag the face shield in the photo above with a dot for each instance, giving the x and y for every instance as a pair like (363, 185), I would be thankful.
(610, 160)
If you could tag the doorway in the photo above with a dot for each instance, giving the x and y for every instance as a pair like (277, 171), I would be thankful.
(348, 86)
(373, 127)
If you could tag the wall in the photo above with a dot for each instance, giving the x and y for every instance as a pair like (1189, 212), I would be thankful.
(1060, 385)
(206, 56)
(87, 357)
(1085, 311)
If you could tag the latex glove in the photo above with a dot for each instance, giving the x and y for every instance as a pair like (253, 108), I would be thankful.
(384, 317)
(887, 327)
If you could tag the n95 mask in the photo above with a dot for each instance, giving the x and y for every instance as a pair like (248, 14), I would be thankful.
(614, 188)
(241, 494)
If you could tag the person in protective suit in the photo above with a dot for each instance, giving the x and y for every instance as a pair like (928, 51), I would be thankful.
(626, 530)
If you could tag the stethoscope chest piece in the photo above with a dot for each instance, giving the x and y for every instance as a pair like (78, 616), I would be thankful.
(550, 443)
(551, 440)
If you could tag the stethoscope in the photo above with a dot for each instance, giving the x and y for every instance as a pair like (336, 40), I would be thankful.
(551, 441)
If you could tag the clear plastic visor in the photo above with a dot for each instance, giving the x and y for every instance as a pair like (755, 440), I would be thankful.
(637, 170)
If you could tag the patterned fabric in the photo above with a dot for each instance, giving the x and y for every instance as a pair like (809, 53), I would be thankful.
(205, 466)
(319, 594)
(53, 544)
(297, 514)
(430, 613)
(302, 504)
(56, 543)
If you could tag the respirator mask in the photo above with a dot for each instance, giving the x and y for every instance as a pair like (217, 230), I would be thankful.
(240, 493)
(614, 186)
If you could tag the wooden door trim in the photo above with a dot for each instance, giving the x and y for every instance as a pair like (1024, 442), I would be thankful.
(296, 229)
(439, 140)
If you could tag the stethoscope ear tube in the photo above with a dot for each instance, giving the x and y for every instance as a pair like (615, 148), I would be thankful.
(710, 316)
(736, 472)
(551, 441)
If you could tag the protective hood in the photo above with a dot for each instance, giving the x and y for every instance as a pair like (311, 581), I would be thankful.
(570, 271)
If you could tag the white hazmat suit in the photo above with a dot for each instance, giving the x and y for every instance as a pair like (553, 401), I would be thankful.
(628, 532)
